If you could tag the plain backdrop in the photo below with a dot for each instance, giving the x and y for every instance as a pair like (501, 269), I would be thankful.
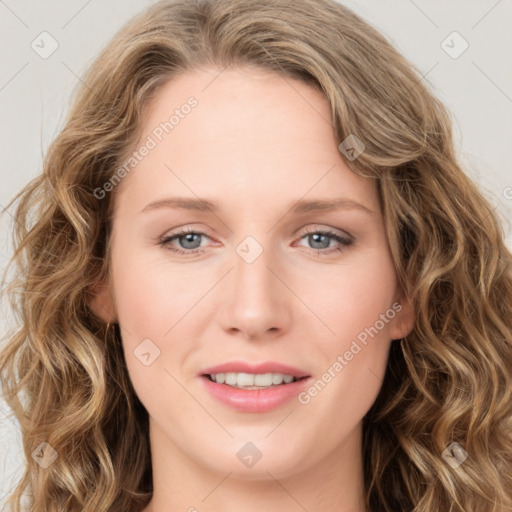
(35, 93)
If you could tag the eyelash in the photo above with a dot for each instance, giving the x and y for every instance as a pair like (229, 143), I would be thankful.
(345, 242)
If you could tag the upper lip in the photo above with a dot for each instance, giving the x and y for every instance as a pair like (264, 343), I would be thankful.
(256, 368)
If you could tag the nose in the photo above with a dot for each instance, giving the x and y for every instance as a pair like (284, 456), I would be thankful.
(255, 303)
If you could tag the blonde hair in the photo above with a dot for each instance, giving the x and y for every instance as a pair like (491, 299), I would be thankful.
(449, 381)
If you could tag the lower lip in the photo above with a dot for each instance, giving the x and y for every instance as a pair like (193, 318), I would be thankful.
(254, 400)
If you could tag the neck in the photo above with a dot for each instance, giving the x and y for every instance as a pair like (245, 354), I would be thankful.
(332, 484)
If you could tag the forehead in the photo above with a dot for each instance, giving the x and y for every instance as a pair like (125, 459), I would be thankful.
(250, 135)
(236, 106)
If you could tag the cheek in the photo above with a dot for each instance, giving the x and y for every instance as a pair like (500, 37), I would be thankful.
(350, 297)
(358, 308)
(145, 313)
(148, 306)
(150, 296)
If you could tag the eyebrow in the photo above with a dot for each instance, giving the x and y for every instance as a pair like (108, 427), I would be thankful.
(300, 206)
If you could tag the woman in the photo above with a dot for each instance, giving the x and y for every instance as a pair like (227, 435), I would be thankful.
(258, 278)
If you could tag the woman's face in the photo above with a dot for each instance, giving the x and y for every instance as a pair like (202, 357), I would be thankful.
(273, 280)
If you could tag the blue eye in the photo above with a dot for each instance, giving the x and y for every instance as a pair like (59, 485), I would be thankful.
(318, 238)
(190, 241)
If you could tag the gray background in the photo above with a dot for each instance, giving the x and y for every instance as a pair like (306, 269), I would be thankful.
(35, 93)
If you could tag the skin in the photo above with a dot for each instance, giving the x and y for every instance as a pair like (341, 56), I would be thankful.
(255, 143)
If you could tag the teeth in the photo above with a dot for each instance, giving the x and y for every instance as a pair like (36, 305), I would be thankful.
(252, 381)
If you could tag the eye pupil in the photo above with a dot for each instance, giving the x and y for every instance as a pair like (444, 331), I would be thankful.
(189, 240)
(316, 238)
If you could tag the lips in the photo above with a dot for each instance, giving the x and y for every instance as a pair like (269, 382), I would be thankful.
(256, 368)
(254, 400)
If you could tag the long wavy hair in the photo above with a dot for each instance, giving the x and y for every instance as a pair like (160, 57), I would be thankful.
(450, 381)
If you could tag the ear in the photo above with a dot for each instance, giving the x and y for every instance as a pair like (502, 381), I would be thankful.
(403, 323)
(101, 301)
